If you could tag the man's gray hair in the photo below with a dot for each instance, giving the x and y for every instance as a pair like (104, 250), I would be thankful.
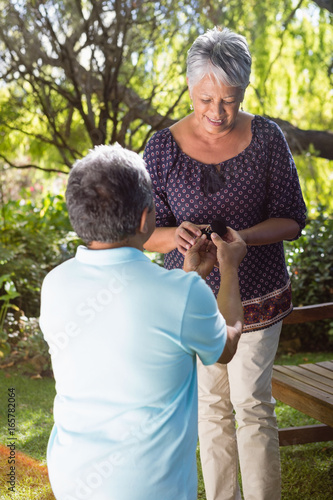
(106, 194)
(222, 53)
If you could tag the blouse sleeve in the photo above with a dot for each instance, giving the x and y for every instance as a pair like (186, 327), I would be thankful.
(285, 199)
(158, 158)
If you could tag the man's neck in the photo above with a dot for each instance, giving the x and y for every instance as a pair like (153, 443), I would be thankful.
(129, 242)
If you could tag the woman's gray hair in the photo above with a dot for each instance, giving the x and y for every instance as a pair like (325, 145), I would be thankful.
(221, 53)
(106, 194)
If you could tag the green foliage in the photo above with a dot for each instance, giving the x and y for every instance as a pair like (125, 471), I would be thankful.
(316, 178)
(8, 295)
(35, 237)
(310, 263)
(290, 79)
(100, 72)
(26, 345)
(80, 78)
(157, 258)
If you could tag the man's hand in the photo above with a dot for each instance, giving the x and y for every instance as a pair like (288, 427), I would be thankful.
(231, 250)
(201, 257)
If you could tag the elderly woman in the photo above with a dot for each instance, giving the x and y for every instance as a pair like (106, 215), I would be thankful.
(220, 161)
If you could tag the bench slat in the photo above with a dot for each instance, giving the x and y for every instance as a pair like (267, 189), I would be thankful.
(308, 387)
(318, 368)
(307, 377)
(327, 365)
(313, 402)
(303, 389)
(305, 434)
(310, 313)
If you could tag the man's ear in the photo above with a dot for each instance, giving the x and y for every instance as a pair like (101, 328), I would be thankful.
(143, 227)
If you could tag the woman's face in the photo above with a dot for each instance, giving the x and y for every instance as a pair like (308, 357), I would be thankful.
(216, 105)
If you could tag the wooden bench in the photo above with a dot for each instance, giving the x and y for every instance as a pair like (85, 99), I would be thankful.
(308, 387)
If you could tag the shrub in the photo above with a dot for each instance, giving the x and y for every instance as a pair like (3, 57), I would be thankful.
(310, 264)
(35, 237)
(8, 295)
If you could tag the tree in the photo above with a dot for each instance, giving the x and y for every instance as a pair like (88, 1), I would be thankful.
(325, 4)
(80, 73)
(73, 67)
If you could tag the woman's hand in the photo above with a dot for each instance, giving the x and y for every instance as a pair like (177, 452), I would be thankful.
(186, 235)
(200, 257)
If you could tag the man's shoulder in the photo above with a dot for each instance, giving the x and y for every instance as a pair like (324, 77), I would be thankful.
(178, 279)
(174, 275)
(190, 283)
(60, 270)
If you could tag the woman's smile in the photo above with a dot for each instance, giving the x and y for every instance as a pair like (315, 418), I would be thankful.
(215, 105)
(215, 123)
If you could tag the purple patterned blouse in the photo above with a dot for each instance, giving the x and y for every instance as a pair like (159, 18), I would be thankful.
(259, 183)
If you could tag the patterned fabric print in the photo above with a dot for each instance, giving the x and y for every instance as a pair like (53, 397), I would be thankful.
(265, 311)
(259, 183)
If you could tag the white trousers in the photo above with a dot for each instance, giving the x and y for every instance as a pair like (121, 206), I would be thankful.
(241, 389)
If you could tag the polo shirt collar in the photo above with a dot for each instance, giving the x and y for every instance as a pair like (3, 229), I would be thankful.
(109, 256)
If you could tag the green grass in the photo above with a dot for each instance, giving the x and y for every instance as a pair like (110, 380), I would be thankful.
(34, 419)
(29, 491)
(307, 470)
(301, 358)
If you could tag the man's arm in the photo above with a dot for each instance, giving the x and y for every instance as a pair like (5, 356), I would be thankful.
(230, 305)
(229, 254)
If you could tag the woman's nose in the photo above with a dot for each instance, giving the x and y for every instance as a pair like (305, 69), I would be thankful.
(218, 108)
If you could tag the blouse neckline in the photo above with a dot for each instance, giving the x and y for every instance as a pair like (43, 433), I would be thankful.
(190, 158)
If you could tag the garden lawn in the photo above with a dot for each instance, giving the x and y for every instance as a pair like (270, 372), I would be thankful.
(33, 422)
(307, 470)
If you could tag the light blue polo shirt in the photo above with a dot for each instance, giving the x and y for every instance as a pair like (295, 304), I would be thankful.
(123, 336)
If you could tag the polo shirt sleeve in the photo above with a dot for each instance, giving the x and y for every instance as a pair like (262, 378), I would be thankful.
(204, 329)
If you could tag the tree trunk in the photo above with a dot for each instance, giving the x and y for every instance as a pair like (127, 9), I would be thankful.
(299, 140)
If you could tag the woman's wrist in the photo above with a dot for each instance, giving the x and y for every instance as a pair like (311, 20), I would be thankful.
(270, 231)
(162, 240)
(243, 233)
